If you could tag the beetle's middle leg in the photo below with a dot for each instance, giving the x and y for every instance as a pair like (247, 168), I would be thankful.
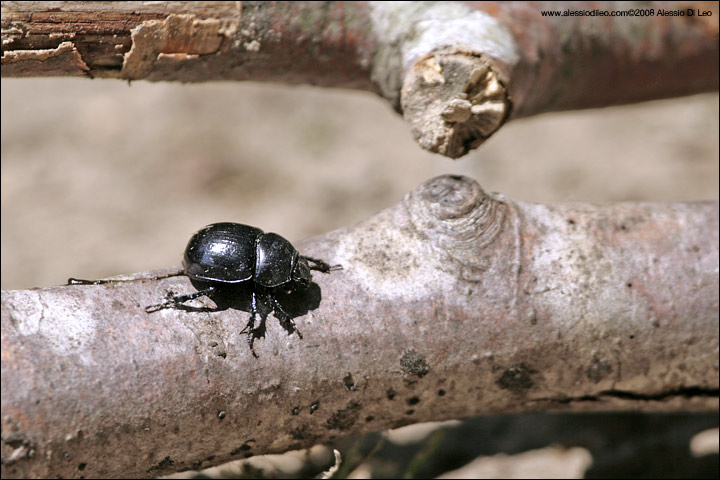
(252, 331)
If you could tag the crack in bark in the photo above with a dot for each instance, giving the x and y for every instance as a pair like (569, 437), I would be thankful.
(686, 392)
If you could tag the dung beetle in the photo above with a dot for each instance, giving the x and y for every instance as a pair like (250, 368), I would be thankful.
(233, 253)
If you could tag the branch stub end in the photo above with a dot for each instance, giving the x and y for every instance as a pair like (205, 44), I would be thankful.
(454, 101)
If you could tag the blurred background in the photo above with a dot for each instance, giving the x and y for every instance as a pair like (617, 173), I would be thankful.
(101, 178)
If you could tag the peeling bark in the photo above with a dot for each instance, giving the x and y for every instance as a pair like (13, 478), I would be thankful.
(457, 70)
(452, 303)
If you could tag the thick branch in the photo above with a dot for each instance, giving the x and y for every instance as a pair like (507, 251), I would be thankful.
(451, 304)
(457, 70)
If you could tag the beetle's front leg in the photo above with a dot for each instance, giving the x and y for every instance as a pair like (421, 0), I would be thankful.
(321, 266)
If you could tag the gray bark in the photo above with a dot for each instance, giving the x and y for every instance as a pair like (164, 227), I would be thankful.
(451, 304)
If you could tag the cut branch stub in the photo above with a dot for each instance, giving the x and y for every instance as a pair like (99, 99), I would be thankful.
(454, 101)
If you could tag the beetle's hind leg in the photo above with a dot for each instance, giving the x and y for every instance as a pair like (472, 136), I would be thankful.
(80, 281)
(319, 265)
(175, 301)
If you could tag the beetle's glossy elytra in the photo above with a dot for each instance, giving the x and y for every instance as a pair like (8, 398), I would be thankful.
(230, 253)
(233, 253)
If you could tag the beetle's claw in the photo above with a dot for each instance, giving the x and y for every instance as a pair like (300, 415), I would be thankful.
(251, 340)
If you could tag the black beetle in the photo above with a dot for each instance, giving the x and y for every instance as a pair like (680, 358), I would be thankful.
(227, 253)
(232, 253)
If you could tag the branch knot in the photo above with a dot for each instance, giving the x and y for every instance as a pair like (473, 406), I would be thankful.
(458, 217)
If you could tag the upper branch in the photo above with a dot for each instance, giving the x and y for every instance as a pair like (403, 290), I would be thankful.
(450, 304)
(322, 43)
(471, 68)
(457, 70)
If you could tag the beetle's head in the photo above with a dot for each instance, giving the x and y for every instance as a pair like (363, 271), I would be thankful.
(301, 272)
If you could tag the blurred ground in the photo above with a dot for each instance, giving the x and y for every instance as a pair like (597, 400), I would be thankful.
(100, 178)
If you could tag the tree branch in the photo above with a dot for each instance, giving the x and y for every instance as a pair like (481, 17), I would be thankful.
(457, 70)
(452, 303)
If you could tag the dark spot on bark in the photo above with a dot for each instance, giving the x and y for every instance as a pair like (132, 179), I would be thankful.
(82, 466)
(623, 228)
(598, 370)
(16, 439)
(412, 363)
(221, 414)
(390, 393)
(441, 393)
(349, 382)
(164, 463)
(344, 418)
(632, 337)
(629, 284)
(295, 411)
(221, 354)
(314, 406)
(244, 447)
(413, 400)
(369, 418)
(409, 412)
(302, 433)
(517, 377)
(210, 458)
(571, 221)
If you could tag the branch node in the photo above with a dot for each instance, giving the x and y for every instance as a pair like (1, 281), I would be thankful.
(458, 216)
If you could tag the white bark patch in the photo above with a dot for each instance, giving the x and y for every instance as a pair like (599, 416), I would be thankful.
(179, 37)
(423, 27)
(394, 264)
(66, 336)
